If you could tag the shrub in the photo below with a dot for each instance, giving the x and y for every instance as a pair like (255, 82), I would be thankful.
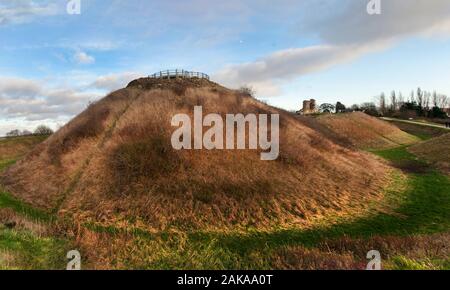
(43, 130)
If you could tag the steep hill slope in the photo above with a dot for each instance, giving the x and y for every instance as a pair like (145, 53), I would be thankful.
(366, 132)
(114, 165)
(435, 151)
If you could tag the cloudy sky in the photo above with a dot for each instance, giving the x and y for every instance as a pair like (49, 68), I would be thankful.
(52, 64)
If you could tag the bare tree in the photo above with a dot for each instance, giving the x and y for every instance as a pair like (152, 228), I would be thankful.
(382, 103)
(426, 100)
(401, 100)
(393, 101)
(412, 99)
(442, 102)
(435, 99)
(43, 130)
(419, 97)
(13, 133)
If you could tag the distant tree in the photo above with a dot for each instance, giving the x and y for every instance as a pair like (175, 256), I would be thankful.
(435, 99)
(401, 100)
(370, 109)
(355, 108)
(382, 103)
(393, 101)
(340, 108)
(426, 100)
(437, 112)
(43, 130)
(411, 97)
(26, 133)
(327, 108)
(420, 97)
(443, 102)
(13, 133)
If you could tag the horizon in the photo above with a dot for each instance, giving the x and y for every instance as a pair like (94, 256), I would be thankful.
(54, 63)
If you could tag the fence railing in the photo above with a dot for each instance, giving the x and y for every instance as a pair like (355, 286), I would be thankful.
(171, 74)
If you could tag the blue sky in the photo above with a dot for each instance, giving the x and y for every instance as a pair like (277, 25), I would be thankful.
(53, 64)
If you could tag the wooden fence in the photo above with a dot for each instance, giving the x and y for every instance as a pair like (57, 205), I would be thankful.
(172, 74)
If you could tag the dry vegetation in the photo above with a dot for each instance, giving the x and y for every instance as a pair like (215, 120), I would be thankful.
(422, 252)
(110, 185)
(366, 132)
(15, 147)
(435, 151)
(114, 165)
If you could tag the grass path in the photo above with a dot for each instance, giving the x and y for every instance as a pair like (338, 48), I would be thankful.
(416, 123)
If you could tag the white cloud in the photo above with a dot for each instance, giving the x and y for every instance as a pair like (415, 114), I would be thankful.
(347, 34)
(81, 57)
(26, 103)
(30, 100)
(24, 11)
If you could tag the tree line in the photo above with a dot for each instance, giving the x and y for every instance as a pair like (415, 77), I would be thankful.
(418, 103)
(40, 130)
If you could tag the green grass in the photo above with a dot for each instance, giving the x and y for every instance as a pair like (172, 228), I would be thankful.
(8, 201)
(28, 250)
(32, 252)
(396, 154)
(404, 263)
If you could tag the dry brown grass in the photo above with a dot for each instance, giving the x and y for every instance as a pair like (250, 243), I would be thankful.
(365, 131)
(10, 219)
(136, 180)
(14, 147)
(45, 173)
(90, 125)
(7, 259)
(435, 151)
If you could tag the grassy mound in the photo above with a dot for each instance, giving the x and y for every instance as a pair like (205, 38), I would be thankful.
(114, 165)
(366, 132)
(435, 151)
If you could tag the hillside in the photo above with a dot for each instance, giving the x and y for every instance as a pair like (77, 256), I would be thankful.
(366, 132)
(436, 151)
(114, 165)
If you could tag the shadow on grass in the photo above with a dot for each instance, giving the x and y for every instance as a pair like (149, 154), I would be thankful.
(8, 201)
